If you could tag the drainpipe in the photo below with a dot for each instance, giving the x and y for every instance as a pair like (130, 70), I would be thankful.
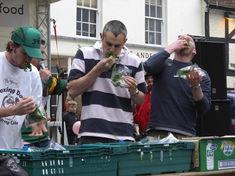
(207, 20)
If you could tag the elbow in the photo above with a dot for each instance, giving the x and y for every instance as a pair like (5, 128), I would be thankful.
(208, 104)
(72, 93)
(140, 99)
(207, 107)
(71, 90)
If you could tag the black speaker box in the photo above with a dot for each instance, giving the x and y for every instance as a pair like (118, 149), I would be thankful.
(53, 108)
(217, 121)
(211, 57)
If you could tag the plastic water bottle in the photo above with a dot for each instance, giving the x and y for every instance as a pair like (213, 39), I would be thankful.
(181, 73)
(209, 155)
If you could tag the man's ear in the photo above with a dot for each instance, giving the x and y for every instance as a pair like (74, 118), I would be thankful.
(194, 51)
(125, 40)
(101, 36)
(14, 49)
(12, 46)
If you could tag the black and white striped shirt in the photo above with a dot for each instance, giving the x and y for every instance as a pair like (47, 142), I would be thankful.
(106, 109)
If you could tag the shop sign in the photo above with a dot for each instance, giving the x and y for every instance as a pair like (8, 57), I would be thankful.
(144, 55)
(14, 13)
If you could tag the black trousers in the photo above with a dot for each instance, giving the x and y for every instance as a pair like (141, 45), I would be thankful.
(162, 134)
(93, 140)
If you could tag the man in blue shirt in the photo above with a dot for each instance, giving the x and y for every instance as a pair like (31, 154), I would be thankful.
(176, 102)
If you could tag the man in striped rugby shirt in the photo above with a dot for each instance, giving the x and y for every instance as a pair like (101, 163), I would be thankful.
(107, 114)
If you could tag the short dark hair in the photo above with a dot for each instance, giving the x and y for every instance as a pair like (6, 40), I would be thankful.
(9, 44)
(116, 27)
(147, 75)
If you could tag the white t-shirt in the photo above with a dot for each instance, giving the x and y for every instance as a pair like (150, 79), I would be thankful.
(15, 83)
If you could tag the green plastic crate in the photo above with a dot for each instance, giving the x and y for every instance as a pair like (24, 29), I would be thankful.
(70, 162)
(155, 159)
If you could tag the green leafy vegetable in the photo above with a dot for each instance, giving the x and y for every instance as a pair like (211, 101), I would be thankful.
(26, 66)
(110, 53)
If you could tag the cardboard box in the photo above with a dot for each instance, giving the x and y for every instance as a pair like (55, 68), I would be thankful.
(213, 153)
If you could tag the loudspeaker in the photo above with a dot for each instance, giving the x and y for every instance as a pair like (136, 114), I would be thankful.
(217, 121)
(211, 57)
(53, 107)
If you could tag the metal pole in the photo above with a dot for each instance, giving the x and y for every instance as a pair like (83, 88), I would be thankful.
(43, 24)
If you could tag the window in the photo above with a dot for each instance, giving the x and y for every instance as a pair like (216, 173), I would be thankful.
(153, 22)
(86, 18)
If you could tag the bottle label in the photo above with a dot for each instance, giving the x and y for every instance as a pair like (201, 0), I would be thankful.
(210, 149)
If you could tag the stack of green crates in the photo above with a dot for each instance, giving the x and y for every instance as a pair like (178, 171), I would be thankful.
(118, 159)
(155, 159)
(73, 161)
(141, 159)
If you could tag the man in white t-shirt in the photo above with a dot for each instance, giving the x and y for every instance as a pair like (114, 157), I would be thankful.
(20, 84)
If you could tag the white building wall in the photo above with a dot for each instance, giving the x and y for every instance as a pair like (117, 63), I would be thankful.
(217, 29)
(131, 13)
(184, 17)
(231, 80)
(180, 16)
(64, 12)
(217, 23)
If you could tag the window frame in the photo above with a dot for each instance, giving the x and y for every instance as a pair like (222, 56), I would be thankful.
(88, 22)
(155, 20)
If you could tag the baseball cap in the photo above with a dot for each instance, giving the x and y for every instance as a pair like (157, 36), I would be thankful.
(30, 39)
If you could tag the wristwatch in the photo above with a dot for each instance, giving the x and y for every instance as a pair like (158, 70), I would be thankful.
(137, 92)
(196, 87)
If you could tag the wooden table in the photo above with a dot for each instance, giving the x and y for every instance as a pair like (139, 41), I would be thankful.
(230, 172)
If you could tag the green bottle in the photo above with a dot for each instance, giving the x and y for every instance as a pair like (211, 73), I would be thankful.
(36, 116)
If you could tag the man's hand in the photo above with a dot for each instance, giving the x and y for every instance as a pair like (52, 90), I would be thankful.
(136, 95)
(44, 73)
(131, 83)
(177, 45)
(26, 105)
(194, 78)
(80, 85)
(105, 64)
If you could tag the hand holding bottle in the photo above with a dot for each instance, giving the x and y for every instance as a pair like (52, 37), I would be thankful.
(36, 116)
(104, 65)
(131, 84)
(194, 78)
(45, 74)
(25, 105)
(192, 69)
